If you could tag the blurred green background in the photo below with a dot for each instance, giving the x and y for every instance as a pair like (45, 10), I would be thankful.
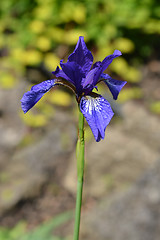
(36, 34)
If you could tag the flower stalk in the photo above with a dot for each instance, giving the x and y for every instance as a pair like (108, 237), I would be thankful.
(80, 173)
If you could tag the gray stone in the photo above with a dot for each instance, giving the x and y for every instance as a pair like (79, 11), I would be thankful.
(12, 129)
(141, 124)
(133, 215)
(31, 167)
(24, 170)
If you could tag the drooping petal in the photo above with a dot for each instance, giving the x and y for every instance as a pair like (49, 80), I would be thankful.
(31, 97)
(81, 55)
(114, 85)
(98, 114)
(75, 73)
(101, 66)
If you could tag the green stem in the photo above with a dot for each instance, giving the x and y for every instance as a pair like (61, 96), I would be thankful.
(80, 171)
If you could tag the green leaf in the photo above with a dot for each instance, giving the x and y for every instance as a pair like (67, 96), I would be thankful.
(44, 231)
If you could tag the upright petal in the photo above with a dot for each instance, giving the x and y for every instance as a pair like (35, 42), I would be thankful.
(59, 73)
(87, 81)
(114, 85)
(108, 60)
(75, 73)
(31, 97)
(104, 64)
(98, 114)
(81, 55)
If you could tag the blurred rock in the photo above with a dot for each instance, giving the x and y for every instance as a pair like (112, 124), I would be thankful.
(130, 147)
(10, 104)
(141, 124)
(133, 215)
(154, 66)
(12, 129)
(150, 83)
(23, 171)
(30, 168)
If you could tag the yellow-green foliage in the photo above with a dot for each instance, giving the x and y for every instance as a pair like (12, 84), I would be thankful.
(131, 93)
(7, 80)
(4, 176)
(44, 231)
(125, 45)
(88, 133)
(35, 32)
(31, 30)
(51, 61)
(34, 120)
(129, 73)
(155, 107)
(60, 98)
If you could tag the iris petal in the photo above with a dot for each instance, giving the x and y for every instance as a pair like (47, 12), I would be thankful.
(114, 85)
(108, 60)
(86, 82)
(98, 114)
(59, 73)
(75, 73)
(31, 97)
(104, 64)
(81, 55)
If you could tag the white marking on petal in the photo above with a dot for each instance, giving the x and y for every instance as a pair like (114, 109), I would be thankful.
(93, 104)
(98, 114)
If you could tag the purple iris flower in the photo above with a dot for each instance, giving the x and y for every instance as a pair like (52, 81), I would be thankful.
(78, 75)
